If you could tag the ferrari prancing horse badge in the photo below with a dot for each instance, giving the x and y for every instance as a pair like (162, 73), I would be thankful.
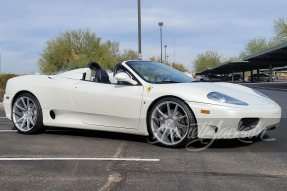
(149, 89)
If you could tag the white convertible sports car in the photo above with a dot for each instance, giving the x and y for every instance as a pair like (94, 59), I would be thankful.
(139, 97)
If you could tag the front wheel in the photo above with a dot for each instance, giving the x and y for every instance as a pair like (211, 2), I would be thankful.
(171, 123)
(27, 114)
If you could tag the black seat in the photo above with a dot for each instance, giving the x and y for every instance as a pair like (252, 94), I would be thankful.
(102, 77)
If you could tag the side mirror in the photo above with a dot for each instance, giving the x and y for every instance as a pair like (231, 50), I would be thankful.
(124, 77)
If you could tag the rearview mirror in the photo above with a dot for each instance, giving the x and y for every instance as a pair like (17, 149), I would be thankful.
(124, 77)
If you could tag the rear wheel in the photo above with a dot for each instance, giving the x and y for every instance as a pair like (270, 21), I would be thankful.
(27, 114)
(171, 123)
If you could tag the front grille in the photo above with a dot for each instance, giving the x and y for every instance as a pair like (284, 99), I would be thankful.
(247, 124)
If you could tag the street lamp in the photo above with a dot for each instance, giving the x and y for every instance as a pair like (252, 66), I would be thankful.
(139, 29)
(165, 46)
(167, 59)
(160, 24)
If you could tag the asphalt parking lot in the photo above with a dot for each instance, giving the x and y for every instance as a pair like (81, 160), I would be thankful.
(82, 160)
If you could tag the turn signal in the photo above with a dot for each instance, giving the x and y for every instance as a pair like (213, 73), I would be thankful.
(205, 111)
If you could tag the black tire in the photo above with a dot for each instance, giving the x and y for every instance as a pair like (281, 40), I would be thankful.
(174, 123)
(31, 112)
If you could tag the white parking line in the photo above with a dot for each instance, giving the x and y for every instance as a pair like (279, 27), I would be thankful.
(80, 159)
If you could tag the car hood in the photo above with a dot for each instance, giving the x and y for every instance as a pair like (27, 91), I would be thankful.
(197, 92)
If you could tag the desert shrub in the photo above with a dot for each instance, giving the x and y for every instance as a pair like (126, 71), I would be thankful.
(4, 78)
(2, 92)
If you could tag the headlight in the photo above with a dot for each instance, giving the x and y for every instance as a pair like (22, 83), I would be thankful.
(216, 96)
(259, 93)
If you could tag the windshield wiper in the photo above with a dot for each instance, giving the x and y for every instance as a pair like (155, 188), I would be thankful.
(166, 82)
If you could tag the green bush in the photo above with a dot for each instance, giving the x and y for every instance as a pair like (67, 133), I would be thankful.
(3, 81)
(2, 92)
(4, 78)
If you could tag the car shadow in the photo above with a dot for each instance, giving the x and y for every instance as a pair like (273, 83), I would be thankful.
(95, 134)
(196, 144)
(226, 143)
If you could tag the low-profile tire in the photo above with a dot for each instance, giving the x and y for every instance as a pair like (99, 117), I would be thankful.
(27, 114)
(171, 123)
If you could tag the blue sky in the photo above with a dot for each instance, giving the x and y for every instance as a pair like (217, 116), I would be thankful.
(224, 26)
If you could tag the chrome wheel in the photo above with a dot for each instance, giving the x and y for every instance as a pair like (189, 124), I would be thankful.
(24, 114)
(169, 123)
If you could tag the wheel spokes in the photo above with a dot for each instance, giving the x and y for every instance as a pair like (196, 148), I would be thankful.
(24, 104)
(24, 113)
(175, 110)
(169, 123)
(162, 114)
(177, 133)
(164, 134)
(168, 109)
(20, 107)
(32, 121)
(20, 119)
(161, 128)
(181, 125)
(171, 136)
(157, 119)
(23, 123)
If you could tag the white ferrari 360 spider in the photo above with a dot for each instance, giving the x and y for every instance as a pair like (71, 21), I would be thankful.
(139, 97)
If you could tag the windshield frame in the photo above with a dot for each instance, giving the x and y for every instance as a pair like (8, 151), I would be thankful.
(177, 72)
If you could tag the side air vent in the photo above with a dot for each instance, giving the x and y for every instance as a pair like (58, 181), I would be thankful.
(52, 114)
(247, 124)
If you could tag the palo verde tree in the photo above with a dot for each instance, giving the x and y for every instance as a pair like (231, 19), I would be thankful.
(256, 45)
(280, 30)
(208, 59)
(76, 48)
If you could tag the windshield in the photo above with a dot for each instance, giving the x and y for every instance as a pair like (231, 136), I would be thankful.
(155, 72)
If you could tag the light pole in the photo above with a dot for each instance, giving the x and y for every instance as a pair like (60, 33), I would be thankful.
(174, 50)
(167, 59)
(139, 29)
(165, 46)
(160, 24)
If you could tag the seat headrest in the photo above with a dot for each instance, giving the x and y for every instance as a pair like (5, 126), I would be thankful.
(102, 77)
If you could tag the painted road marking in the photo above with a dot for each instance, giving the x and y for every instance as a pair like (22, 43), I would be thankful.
(3, 117)
(80, 159)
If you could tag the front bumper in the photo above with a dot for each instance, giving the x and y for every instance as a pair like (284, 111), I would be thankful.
(223, 122)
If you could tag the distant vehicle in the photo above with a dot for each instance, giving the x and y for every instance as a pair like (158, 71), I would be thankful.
(211, 78)
(262, 77)
(236, 77)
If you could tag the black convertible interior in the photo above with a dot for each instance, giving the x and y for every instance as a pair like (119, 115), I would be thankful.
(95, 73)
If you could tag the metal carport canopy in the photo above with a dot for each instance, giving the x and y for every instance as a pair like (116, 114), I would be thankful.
(227, 67)
(270, 58)
(277, 56)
